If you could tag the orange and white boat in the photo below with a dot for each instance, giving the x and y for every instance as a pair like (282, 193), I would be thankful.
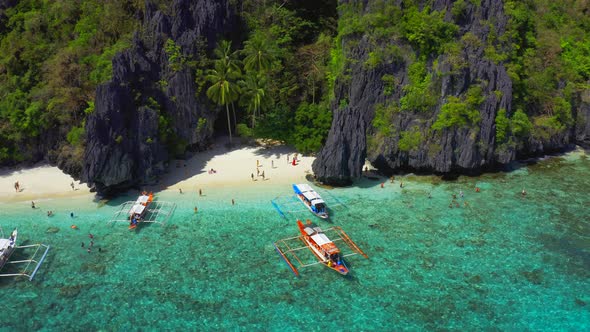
(321, 246)
(139, 209)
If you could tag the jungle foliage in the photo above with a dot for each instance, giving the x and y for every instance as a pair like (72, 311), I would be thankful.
(53, 54)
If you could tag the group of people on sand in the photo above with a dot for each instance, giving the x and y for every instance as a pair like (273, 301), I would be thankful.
(258, 173)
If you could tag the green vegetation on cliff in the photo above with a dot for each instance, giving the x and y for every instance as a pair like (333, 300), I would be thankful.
(53, 54)
(295, 62)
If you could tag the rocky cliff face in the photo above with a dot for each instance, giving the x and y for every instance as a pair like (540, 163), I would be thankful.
(148, 109)
(465, 148)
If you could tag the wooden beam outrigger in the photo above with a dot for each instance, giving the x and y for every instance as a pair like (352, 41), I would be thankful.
(29, 261)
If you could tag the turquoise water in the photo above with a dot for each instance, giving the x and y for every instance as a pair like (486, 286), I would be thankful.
(501, 262)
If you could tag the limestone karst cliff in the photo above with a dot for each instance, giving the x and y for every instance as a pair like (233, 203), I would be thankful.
(149, 108)
(458, 86)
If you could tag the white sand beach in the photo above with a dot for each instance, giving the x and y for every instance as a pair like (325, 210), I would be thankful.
(242, 166)
(38, 182)
(233, 168)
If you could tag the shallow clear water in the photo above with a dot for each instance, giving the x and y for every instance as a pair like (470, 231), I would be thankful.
(501, 262)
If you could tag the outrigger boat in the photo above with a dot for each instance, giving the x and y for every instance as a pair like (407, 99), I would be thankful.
(8, 247)
(321, 246)
(312, 200)
(139, 209)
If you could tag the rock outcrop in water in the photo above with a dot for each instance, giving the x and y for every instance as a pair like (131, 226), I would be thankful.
(148, 109)
(368, 91)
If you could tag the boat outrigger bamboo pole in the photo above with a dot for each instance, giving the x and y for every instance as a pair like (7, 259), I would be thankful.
(349, 241)
(39, 263)
(286, 260)
(276, 206)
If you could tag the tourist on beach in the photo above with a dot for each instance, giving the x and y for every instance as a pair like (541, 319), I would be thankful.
(257, 163)
(257, 172)
(401, 184)
(287, 159)
(72, 214)
(82, 245)
(88, 250)
(90, 235)
(476, 189)
(16, 186)
(196, 209)
(382, 184)
(461, 193)
(233, 202)
(523, 193)
(262, 175)
(392, 179)
(252, 175)
(32, 204)
(72, 185)
(200, 192)
(272, 164)
(180, 190)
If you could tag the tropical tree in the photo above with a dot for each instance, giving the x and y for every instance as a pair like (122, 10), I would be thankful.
(223, 89)
(223, 52)
(254, 96)
(259, 52)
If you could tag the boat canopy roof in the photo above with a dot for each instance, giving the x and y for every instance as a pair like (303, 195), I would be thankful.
(317, 235)
(143, 199)
(4, 243)
(311, 195)
(321, 239)
(302, 188)
(137, 209)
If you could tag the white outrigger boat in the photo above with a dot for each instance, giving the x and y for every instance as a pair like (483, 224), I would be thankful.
(139, 209)
(7, 248)
(312, 200)
(144, 210)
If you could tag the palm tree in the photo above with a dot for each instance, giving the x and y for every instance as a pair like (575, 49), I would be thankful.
(253, 94)
(223, 52)
(223, 89)
(259, 53)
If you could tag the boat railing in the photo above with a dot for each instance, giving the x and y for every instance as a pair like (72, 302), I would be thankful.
(31, 260)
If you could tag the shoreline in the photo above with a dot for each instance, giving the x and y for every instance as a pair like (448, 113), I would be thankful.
(233, 169)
